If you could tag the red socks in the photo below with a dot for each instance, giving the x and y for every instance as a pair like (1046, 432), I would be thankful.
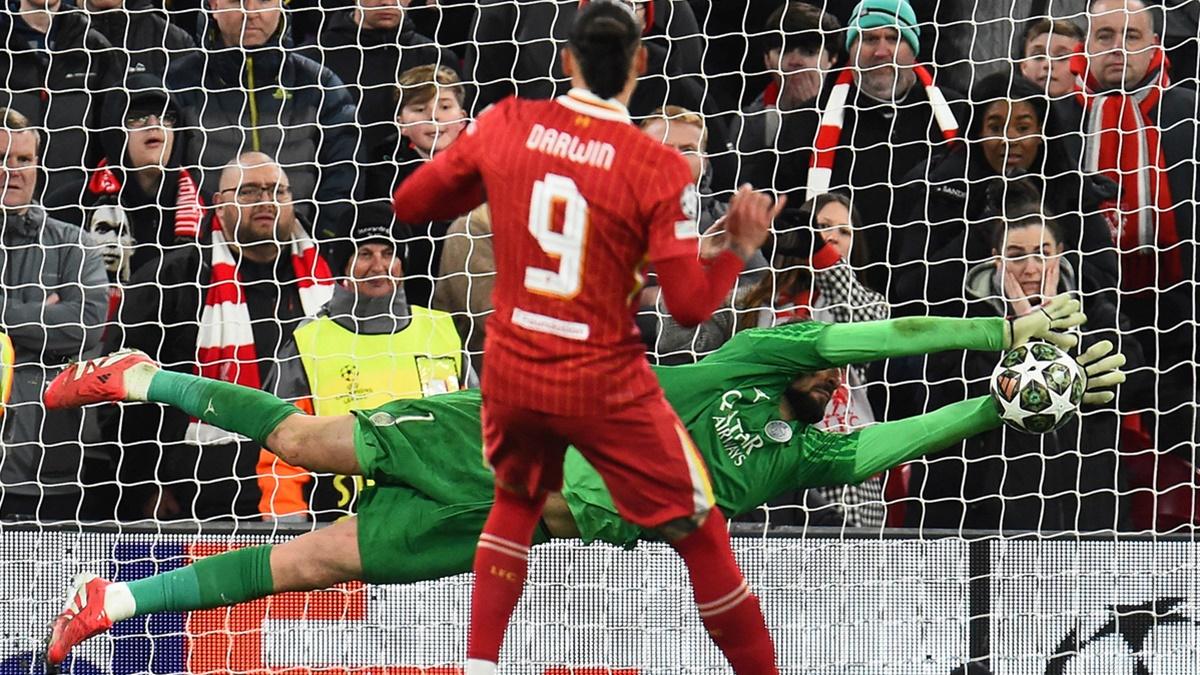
(729, 611)
(501, 560)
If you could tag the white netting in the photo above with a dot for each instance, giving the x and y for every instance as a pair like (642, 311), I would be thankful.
(1076, 113)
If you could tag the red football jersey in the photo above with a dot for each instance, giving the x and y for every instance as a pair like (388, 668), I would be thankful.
(580, 200)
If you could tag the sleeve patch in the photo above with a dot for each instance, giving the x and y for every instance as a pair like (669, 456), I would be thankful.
(689, 202)
(686, 229)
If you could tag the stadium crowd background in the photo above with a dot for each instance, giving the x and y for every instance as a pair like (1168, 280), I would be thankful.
(940, 155)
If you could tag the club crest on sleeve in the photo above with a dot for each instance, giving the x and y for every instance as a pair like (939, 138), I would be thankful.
(689, 202)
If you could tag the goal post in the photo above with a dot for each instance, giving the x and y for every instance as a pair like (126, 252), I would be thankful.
(1016, 554)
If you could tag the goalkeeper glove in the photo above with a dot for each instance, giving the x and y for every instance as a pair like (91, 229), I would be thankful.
(1101, 370)
(1049, 322)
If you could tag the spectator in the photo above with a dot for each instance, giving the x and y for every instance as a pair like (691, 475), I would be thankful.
(874, 121)
(52, 297)
(1045, 57)
(813, 277)
(465, 279)
(368, 47)
(801, 47)
(138, 203)
(142, 39)
(247, 91)
(827, 288)
(366, 347)
(1129, 110)
(54, 70)
(1012, 133)
(223, 311)
(516, 47)
(431, 117)
(672, 75)
(1139, 129)
(1069, 479)
(687, 132)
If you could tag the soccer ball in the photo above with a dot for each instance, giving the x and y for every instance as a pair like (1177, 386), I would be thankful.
(1037, 387)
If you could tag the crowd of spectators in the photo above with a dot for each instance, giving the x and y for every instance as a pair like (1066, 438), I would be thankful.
(210, 184)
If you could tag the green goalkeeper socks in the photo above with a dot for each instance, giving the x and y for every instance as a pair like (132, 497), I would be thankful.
(216, 581)
(249, 412)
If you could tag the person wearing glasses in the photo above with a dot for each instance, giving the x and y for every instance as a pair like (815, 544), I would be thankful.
(222, 310)
(138, 203)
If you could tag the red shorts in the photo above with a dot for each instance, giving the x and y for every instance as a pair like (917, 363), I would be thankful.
(643, 453)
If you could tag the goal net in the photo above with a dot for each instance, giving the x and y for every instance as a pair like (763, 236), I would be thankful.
(210, 182)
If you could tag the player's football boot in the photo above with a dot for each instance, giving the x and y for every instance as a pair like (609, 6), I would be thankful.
(82, 618)
(120, 376)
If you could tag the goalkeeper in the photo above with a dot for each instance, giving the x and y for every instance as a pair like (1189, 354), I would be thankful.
(748, 406)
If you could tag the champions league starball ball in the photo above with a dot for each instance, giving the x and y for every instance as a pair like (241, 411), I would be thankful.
(1037, 387)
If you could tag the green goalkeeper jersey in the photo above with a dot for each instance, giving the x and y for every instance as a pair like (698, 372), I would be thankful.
(730, 403)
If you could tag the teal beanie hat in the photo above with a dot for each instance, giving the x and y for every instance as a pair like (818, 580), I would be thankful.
(896, 14)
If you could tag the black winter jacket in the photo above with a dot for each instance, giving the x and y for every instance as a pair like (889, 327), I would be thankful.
(142, 39)
(57, 80)
(880, 143)
(273, 100)
(369, 64)
(948, 230)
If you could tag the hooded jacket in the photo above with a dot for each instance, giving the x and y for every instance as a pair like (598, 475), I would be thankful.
(948, 226)
(40, 256)
(270, 99)
(142, 38)
(57, 80)
(1068, 479)
(151, 217)
(369, 63)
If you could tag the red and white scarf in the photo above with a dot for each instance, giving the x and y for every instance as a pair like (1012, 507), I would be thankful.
(820, 172)
(225, 342)
(189, 208)
(1123, 142)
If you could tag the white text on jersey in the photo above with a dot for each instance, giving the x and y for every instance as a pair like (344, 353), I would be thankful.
(558, 143)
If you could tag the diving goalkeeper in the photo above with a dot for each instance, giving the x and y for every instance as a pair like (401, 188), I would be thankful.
(749, 407)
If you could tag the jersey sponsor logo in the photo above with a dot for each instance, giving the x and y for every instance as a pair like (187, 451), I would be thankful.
(560, 144)
(540, 323)
(737, 441)
(687, 229)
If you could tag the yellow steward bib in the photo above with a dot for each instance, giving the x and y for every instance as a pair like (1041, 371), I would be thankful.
(347, 371)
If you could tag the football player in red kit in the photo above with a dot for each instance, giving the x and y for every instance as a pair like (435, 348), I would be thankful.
(580, 201)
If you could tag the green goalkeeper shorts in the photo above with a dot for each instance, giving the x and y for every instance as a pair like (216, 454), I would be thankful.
(428, 491)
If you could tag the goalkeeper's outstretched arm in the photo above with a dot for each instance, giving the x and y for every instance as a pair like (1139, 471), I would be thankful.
(839, 459)
(809, 346)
